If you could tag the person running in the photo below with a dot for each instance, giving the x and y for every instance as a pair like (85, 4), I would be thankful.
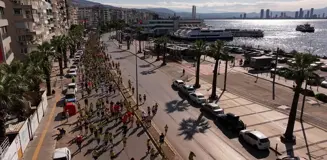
(112, 153)
(95, 154)
(110, 137)
(92, 127)
(138, 123)
(148, 146)
(106, 138)
(144, 97)
(79, 139)
(124, 141)
(149, 110)
(86, 127)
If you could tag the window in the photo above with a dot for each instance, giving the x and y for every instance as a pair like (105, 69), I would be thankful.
(23, 50)
(17, 11)
(1, 13)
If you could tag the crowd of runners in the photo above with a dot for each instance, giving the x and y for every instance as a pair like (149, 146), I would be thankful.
(99, 73)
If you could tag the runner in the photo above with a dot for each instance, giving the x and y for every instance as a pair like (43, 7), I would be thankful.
(124, 141)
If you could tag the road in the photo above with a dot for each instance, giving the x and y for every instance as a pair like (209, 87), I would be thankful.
(187, 131)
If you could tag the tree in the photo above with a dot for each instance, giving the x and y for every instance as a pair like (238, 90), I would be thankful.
(215, 52)
(64, 44)
(164, 40)
(157, 44)
(56, 43)
(199, 47)
(42, 58)
(300, 72)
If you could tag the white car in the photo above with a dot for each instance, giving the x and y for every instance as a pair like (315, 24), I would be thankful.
(72, 73)
(62, 154)
(178, 83)
(255, 138)
(72, 86)
(213, 108)
(324, 84)
(198, 98)
(187, 89)
(73, 67)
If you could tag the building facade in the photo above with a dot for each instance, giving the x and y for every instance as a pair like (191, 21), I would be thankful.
(33, 22)
(92, 16)
(6, 54)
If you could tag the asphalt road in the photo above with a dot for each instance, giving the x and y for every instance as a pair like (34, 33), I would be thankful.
(188, 129)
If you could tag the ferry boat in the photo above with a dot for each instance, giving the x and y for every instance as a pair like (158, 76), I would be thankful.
(305, 28)
(246, 33)
(205, 34)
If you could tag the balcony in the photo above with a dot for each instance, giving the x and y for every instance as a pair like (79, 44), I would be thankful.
(9, 57)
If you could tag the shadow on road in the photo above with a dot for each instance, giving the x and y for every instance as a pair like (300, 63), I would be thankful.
(189, 127)
(176, 105)
(124, 57)
(151, 71)
(253, 151)
(61, 102)
(145, 65)
(228, 133)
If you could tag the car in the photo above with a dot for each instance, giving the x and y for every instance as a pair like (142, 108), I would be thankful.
(255, 138)
(231, 121)
(70, 96)
(187, 89)
(73, 67)
(213, 108)
(178, 83)
(324, 84)
(197, 98)
(62, 154)
(288, 157)
(72, 73)
(72, 86)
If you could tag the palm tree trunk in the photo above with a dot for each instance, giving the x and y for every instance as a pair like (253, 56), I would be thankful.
(140, 47)
(225, 76)
(214, 81)
(288, 135)
(197, 77)
(164, 55)
(48, 82)
(158, 53)
(64, 54)
(61, 70)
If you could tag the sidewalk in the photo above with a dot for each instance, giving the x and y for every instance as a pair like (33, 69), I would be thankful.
(43, 144)
(270, 122)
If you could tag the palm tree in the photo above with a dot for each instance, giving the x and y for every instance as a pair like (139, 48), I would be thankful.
(42, 57)
(157, 44)
(138, 32)
(164, 40)
(300, 72)
(199, 47)
(64, 44)
(226, 57)
(56, 43)
(215, 52)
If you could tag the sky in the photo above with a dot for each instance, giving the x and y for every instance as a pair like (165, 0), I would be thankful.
(207, 6)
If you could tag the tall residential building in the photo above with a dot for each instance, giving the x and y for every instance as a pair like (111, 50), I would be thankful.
(301, 13)
(244, 15)
(241, 16)
(194, 12)
(307, 15)
(267, 14)
(296, 14)
(6, 54)
(262, 13)
(323, 15)
(33, 22)
(73, 12)
(311, 12)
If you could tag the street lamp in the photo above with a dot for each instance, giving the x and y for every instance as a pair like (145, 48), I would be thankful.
(137, 79)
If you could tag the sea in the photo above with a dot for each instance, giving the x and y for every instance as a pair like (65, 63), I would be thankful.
(279, 33)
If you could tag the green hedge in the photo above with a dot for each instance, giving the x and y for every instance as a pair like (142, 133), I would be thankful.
(321, 97)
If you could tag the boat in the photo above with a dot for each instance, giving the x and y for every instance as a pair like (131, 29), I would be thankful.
(246, 33)
(205, 34)
(305, 28)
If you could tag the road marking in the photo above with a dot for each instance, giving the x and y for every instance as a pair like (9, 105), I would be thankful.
(44, 132)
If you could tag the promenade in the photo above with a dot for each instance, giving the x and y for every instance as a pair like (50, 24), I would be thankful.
(257, 116)
(44, 143)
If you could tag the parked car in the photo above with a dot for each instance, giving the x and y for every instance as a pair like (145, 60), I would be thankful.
(255, 138)
(70, 96)
(72, 73)
(231, 121)
(198, 98)
(62, 154)
(72, 86)
(324, 84)
(187, 89)
(213, 108)
(178, 83)
(288, 157)
(73, 67)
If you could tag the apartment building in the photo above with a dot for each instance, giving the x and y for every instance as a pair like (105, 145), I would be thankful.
(33, 22)
(73, 12)
(6, 54)
(92, 16)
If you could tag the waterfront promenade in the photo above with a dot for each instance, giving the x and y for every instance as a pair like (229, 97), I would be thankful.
(258, 116)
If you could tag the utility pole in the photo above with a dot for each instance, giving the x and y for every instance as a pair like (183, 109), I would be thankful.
(137, 79)
(274, 74)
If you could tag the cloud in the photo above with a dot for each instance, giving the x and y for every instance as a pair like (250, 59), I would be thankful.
(228, 6)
